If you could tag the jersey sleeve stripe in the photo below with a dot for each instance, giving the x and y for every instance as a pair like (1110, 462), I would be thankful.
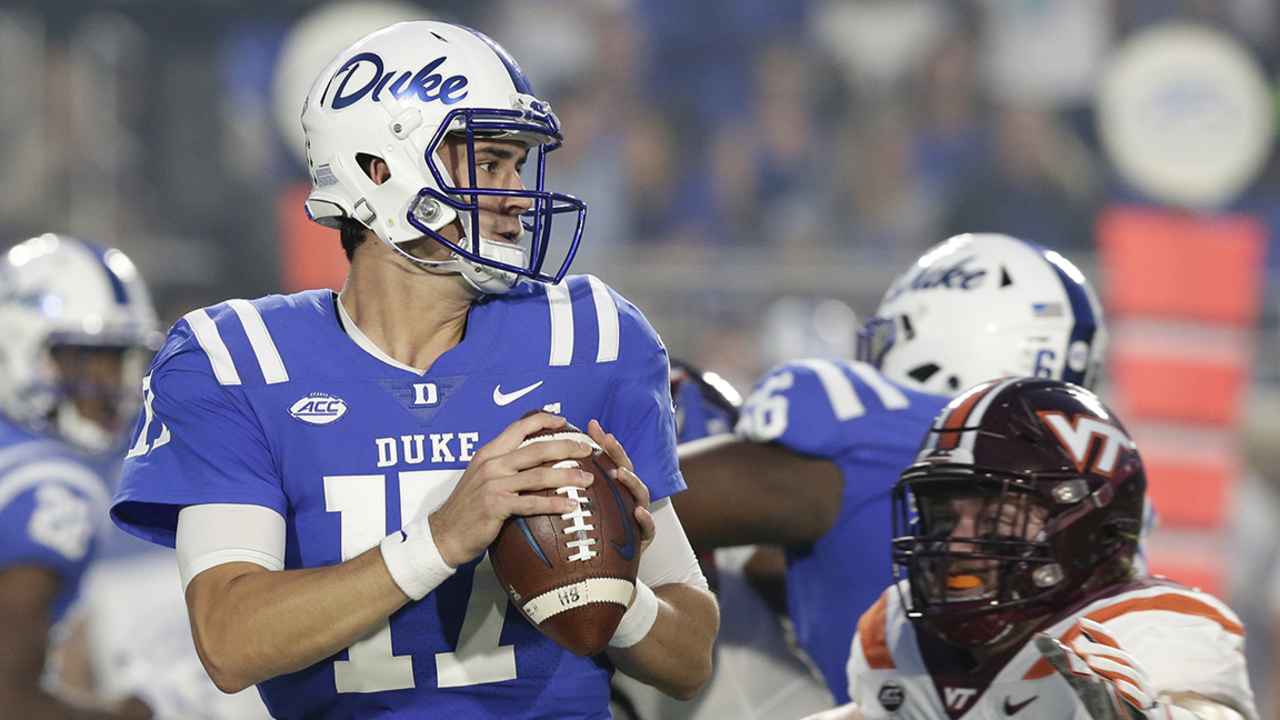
(871, 628)
(1169, 602)
(224, 368)
(891, 397)
(264, 348)
(561, 324)
(606, 319)
(840, 391)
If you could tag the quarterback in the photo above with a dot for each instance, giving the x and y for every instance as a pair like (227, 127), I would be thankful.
(332, 467)
(821, 442)
(1015, 532)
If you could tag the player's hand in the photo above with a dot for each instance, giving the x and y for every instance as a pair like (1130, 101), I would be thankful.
(627, 476)
(1110, 683)
(491, 488)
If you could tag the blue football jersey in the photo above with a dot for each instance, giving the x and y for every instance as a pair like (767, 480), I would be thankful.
(271, 403)
(870, 427)
(51, 505)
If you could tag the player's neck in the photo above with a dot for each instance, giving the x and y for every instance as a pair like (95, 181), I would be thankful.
(411, 314)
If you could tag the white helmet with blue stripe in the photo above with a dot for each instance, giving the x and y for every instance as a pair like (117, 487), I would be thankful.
(60, 292)
(983, 306)
(396, 94)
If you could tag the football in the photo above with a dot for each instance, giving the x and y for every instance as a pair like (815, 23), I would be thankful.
(573, 575)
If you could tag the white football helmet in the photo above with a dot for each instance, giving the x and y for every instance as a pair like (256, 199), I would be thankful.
(983, 306)
(395, 94)
(61, 292)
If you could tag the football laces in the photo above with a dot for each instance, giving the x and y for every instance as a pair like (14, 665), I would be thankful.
(581, 545)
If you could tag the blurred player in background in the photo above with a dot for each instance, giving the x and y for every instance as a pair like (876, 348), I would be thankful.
(821, 442)
(1016, 530)
(333, 467)
(76, 332)
(757, 674)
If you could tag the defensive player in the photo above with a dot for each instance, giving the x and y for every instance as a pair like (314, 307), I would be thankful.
(1019, 520)
(76, 332)
(821, 442)
(333, 467)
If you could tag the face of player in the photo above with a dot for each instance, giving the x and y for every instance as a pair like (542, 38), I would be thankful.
(92, 379)
(498, 165)
(979, 530)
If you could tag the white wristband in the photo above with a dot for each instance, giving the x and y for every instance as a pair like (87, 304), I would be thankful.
(414, 560)
(638, 620)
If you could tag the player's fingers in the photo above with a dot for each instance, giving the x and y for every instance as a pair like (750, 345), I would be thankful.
(1096, 632)
(610, 444)
(563, 474)
(534, 504)
(648, 529)
(1129, 682)
(516, 433)
(545, 450)
(635, 486)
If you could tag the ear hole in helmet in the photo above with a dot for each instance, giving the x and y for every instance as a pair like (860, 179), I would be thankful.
(922, 373)
(1005, 280)
(379, 173)
(953, 382)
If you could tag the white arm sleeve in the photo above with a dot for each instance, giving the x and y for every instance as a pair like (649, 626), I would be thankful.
(219, 533)
(669, 558)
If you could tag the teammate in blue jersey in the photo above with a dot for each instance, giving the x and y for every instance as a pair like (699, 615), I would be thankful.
(821, 442)
(76, 332)
(332, 468)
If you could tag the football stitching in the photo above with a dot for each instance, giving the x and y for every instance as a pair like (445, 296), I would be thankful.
(580, 528)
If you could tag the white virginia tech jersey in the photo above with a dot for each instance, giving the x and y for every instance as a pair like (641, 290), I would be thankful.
(1185, 639)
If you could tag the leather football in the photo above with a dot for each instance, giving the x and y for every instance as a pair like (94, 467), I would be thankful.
(573, 575)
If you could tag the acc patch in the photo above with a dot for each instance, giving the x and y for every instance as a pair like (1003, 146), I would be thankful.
(891, 696)
(319, 408)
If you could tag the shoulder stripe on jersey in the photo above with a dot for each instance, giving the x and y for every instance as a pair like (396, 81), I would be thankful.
(890, 396)
(844, 399)
(263, 346)
(24, 478)
(561, 323)
(871, 628)
(607, 319)
(1170, 602)
(206, 332)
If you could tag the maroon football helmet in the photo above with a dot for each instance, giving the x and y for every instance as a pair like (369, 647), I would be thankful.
(1026, 495)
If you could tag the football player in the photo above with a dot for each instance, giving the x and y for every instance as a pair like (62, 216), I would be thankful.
(821, 442)
(757, 675)
(76, 332)
(1015, 533)
(332, 467)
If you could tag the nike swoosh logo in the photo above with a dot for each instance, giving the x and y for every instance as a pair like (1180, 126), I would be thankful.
(500, 398)
(1012, 709)
(627, 549)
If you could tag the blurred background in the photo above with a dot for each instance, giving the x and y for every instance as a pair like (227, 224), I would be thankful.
(756, 171)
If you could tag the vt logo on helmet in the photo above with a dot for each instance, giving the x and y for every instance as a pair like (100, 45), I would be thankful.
(410, 95)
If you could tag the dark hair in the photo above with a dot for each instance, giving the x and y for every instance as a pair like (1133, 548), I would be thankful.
(351, 233)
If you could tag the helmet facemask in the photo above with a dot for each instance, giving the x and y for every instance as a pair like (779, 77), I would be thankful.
(976, 555)
(93, 399)
(506, 261)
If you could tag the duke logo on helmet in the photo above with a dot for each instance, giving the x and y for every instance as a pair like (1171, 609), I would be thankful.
(426, 84)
